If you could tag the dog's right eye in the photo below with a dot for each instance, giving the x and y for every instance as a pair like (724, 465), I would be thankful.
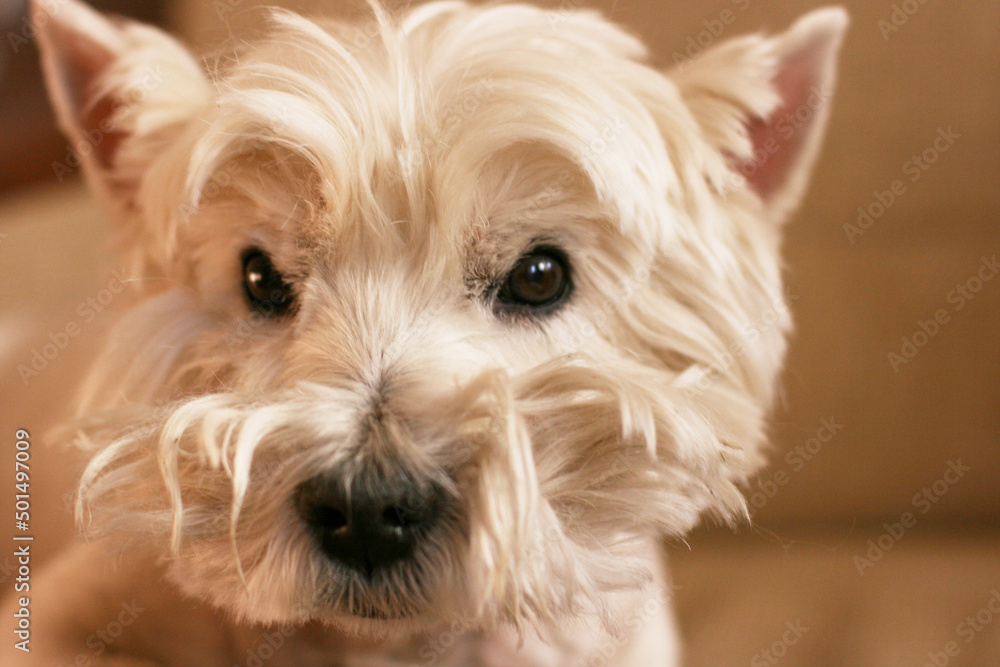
(266, 289)
(539, 282)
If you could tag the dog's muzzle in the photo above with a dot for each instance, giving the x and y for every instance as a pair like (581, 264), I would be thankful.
(369, 521)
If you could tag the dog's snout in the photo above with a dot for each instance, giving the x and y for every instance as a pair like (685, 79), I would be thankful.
(370, 523)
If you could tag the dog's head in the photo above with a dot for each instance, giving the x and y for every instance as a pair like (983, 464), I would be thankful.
(449, 313)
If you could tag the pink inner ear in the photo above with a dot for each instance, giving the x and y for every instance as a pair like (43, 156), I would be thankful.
(779, 140)
(100, 123)
(81, 64)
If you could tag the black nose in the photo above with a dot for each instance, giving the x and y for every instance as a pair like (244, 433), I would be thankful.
(375, 521)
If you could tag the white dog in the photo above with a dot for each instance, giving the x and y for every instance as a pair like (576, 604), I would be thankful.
(439, 324)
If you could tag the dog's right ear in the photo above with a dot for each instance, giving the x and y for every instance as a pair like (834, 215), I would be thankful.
(764, 102)
(120, 89)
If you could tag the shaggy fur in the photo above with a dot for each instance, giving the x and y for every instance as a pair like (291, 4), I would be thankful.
(395, 171)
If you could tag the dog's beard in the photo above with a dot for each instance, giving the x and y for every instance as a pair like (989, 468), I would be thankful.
(555, 477)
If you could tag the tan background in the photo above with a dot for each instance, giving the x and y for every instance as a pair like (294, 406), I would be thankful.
(853, 303)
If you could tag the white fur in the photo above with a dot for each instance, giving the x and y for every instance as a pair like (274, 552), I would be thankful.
(391, 171)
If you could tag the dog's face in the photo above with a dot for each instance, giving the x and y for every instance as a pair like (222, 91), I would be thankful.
(448, 314)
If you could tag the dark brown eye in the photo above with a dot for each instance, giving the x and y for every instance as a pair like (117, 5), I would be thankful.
(539, 281)
(266, 289)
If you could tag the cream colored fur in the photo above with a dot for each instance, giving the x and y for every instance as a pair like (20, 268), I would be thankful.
(392, 170)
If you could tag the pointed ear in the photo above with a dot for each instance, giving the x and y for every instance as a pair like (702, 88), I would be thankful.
(120, 90)
(765, 102)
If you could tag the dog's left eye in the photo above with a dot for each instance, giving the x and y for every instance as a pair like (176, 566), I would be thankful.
(266, 289)
(539, 281)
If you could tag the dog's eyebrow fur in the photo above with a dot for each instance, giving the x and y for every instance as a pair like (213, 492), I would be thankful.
(348, 115)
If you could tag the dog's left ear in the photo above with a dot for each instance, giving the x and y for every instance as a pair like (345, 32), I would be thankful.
(764, 102)
(120, 90)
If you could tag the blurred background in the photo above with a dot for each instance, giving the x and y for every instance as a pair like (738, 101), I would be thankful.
(876, 530)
